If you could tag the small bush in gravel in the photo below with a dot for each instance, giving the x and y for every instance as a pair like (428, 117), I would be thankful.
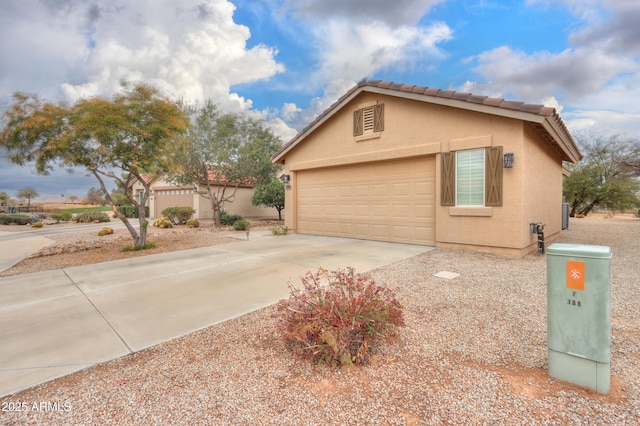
(241, 225)
(61, 216)
(162, 222)
(279, 230)
(92, 216)
(18, 219)
(178, 215)
(147, 246)
(338, 317)
(36, 225)
(229, 219)
(129, 210)
(193, 223)
(105, 231)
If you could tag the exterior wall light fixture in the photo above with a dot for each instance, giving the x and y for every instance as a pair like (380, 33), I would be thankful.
(285, 178)
(508, 160)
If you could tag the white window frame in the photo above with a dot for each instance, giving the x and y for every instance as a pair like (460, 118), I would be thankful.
(468, 202)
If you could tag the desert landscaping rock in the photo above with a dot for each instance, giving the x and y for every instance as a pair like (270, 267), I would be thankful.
(473, 351)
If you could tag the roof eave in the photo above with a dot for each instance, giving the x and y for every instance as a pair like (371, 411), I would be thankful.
(278, 156)
(550, 122)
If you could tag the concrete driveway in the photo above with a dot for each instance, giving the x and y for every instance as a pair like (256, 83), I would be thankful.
(58, 322)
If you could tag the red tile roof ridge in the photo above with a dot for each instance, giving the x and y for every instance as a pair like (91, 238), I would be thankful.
(536, 109)
(461, 96)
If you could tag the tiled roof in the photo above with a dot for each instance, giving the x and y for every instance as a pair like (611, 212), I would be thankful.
(515, 106)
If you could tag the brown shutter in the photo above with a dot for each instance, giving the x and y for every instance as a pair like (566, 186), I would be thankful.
(357, 122)
(448, 177)
(493, 177)
(378, 118)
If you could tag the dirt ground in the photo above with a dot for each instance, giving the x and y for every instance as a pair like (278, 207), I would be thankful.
(82, 247)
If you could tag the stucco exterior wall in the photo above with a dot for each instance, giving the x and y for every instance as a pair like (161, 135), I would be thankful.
(542, 189)
(532, 189)
(241, 205)
(165, 194)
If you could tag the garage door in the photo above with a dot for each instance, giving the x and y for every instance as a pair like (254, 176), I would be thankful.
(385, 201)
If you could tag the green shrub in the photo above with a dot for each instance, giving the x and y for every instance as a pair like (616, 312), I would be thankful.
(229, 219)
(18, 219)
(241, 225)
(129, 210)
(35, 219)
(92, 216)
(162, 222)
(279, 230)
(147, 246)
(36, 225)
(105, 231)
(193, 223)
(338, 317)
(178, 215)
(61, 216)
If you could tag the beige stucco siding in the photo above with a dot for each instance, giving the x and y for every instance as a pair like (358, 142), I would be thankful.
(164, 195)
(330, 159)
(542, 201)
(241, 205)
(387, 201)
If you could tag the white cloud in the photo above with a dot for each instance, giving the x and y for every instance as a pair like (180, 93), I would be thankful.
(191, 49)
(347, 52)
(354, 51)
(573, 72)
(596, 81)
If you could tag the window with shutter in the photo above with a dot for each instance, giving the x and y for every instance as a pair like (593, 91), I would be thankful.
(368, 120)
(472, 178)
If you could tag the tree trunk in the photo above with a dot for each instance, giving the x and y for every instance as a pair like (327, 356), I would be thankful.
(136, 238)
(585, 211)
(574, 207)
(142, 219)
(279, 213)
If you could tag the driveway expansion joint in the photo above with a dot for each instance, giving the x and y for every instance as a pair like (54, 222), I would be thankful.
(106, 320)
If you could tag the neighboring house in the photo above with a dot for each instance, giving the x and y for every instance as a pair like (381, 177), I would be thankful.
(409, 164)
(165, 194)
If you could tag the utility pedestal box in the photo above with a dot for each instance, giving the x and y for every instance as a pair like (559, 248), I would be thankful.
(579, 314)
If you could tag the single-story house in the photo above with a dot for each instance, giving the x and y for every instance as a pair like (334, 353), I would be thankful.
(409, 164)
(165, 194)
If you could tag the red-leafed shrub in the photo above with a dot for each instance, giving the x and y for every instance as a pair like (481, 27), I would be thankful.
(338, 316)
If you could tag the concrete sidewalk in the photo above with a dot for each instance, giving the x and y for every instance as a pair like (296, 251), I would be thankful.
(13, 250)
(57, 322)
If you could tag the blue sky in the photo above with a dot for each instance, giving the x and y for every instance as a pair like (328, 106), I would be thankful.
(287, 60)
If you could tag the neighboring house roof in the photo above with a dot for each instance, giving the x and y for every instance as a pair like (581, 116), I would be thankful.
(147, 179)
(213, 178)
(545, 120)
(222, 179)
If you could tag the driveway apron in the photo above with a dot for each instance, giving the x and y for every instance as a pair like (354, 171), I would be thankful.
(57, 322)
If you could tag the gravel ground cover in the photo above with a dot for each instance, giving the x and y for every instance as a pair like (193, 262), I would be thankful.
(473, 351)
(81, 247)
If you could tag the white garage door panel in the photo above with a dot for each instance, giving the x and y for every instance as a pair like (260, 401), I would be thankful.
(387, 201)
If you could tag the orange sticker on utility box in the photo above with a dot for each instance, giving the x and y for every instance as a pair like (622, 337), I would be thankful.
(575, 275)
